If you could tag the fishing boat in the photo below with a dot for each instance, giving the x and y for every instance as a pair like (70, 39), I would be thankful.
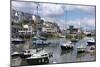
(30, 52)
(16, 54)
(40, 41)
(91, 42)
(92, 49)
(40, 56)
(81, 49)
(37, 58)
(24, 54)
(17, 41)
(74, 40)
(27, 53)
(89, 35)
(20, 54)
(67, 45)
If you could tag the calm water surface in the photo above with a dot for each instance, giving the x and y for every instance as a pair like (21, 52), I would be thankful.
(62, 56)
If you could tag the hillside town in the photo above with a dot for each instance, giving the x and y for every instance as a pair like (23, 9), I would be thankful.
(27, 23)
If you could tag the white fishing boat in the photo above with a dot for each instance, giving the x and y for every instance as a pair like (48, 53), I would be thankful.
(30, 52)
(67, 45)
(40, 57)
(17, 41)
(40, 41)
(91, 42)
(74, 40)
(24, 54)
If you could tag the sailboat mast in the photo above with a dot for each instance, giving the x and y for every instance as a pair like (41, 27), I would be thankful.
(37, 8)
(37, 32)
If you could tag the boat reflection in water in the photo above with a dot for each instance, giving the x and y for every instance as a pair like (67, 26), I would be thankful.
(54, 53)
(81, 48)
(79, 55)
(64, 51)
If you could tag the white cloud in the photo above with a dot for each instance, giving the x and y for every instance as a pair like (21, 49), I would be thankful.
(48, 9)
(50, 12)
(85, 23)
(23, 4)
(45, 9)
(88, 23)
(57, 10)
(51, 9)
(28, 7)
(88, 9)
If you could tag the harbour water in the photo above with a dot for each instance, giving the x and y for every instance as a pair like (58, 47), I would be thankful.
(64, 56)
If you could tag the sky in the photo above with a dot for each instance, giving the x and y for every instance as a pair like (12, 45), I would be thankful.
(63, 14)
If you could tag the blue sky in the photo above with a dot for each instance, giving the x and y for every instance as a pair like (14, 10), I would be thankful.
(62, 14)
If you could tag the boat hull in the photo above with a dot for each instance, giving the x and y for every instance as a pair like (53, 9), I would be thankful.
(89, 35)
(18, 42)
(16, 55)
(91, 43)
(37, 61)
(41, 43)
(21, 55)
(25, 56)
(74, 40)
(81, 50)
(66, 47)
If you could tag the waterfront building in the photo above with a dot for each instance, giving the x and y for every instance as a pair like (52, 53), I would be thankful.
(50, 27)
